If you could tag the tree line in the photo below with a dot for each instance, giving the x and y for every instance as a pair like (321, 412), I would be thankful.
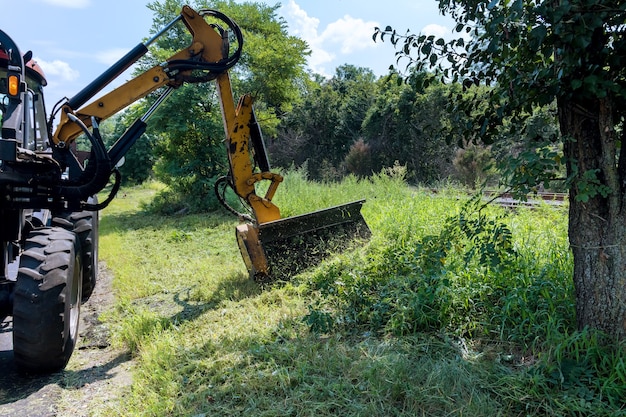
(352, 123)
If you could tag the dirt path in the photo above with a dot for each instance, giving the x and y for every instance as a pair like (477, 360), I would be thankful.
(97, 373)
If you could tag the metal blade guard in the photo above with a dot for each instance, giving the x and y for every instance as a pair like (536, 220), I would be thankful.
(279, 249)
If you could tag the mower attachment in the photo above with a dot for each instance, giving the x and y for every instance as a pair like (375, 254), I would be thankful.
(279, 249)
(275, 248)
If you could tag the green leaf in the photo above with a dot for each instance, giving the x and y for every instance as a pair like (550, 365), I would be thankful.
(537, 36)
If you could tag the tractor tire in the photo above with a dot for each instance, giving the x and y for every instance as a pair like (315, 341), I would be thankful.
(85, 225)
(46, 304)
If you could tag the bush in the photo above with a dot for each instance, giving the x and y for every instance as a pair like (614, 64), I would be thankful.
(472, 164)
(359, 159)
(191, 195)
(411, 283)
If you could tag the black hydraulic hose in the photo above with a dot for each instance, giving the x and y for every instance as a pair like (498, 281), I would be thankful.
(126, 141)
(225, 180)
(232, 26)
(116, 187)
(141, 49)
(190, 65)
(101, 172)
(222, 65)
(82, 191)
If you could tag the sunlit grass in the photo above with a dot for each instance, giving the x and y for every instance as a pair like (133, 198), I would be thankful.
(475, 340)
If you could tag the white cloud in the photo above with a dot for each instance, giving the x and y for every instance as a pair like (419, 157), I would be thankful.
(301, 24)
(352, 34)
(58, 69)
(436, 30)
(305, 27)
(344, 36)
(111, 56)
(72, 4)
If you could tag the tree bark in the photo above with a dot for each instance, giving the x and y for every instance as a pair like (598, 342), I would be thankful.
(597, 226)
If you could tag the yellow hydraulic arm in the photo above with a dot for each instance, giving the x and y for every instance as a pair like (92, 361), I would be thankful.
(270, 245)
(241, 127)
(206, 58)
(207, 46)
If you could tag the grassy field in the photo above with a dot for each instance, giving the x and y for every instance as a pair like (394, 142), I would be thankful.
(447, 311)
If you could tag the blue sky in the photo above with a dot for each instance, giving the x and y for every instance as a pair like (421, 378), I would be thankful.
(76, 40)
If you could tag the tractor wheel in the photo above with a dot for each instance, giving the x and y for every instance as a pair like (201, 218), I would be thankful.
(46, 304)
(85, 225)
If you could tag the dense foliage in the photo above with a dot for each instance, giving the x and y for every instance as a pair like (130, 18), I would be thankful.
(409, 124)
(323, 126)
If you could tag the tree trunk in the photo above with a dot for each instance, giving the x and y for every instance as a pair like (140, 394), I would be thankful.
(597, 222)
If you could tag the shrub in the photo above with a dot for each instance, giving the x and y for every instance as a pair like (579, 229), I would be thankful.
(359, 159)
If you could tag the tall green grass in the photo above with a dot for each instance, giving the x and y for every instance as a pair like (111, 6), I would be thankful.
(423, 320)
